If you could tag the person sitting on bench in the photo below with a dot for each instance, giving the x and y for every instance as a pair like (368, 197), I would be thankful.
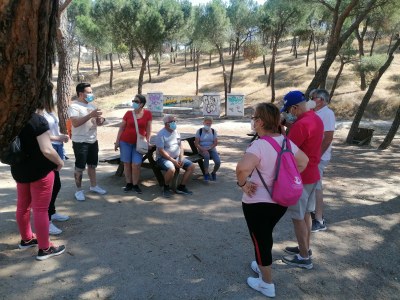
(170, 156)
(206, 142)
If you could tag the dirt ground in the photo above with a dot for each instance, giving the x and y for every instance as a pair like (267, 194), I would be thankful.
(129, 246)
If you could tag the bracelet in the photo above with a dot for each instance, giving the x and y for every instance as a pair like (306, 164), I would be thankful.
(237, 182)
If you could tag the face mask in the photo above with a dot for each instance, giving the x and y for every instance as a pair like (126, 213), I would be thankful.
(311, 104)
(135, 105)
(172, 125)
(207, 128)
(290, 118)
(89, 97)
(252, 125)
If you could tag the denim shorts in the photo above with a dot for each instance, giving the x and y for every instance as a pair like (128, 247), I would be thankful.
(166, 164)
(129, 154)
(85, 154)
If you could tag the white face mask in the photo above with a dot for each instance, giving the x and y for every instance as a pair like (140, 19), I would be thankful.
(311, 104)
(252, 125)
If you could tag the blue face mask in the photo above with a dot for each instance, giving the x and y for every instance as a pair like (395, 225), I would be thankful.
(291, 118)
(207, 128)
(89, 97)
(172, 125)
(135, 105)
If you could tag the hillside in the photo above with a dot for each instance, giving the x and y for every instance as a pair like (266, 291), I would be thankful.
(249, 78)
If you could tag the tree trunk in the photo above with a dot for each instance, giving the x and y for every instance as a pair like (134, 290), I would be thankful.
(373, 43)
(185, 56)
(194, 60)
(221, 58)
(235, 50)
(111, 70)
(309, 48)
(93, 51)
(335, 82)
(272, 70)
(148, 69)
(27, 36)
(79, 61)
(265, 65)
(120, 64)
(197, 73)
(98, 63)
(315, 57)
(360, 40)
(141, 74)
(131, 56)
(159, 63)
(392, 131)
(64, 80)
(209, 60)
(368, 94)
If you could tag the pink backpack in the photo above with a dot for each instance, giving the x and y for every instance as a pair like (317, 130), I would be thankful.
(287, 185)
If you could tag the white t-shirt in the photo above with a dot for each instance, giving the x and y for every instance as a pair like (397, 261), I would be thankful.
(87, 132)
(267, 155)
(169, 141)
(53, 121)
(328, 118)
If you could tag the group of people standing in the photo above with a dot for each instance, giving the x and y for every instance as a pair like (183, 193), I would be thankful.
(310, 125)
(38, 178)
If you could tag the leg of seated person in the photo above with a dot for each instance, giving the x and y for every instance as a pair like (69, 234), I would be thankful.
(188, 173)
(217, 161)
(206, 163)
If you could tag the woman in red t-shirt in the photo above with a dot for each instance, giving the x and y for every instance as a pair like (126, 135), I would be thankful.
(126, 141)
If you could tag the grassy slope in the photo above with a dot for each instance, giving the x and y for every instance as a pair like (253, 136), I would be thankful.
(249, 79)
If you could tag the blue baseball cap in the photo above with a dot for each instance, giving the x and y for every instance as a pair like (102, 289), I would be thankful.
(292, 98)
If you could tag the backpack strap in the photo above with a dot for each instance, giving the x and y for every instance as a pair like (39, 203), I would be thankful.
(278, 148)
(201, 131)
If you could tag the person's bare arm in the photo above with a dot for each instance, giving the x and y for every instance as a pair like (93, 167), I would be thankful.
(48, 151)
(326, 141)
(120, 130)
(79, 121)
(301, 160)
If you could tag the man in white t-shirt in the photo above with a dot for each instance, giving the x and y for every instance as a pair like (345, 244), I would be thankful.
(321, 98)
(85, 118)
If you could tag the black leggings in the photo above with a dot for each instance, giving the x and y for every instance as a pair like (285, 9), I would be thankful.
(261, 219)
(56, 189)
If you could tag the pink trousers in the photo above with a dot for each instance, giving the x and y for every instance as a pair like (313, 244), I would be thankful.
(35, 195)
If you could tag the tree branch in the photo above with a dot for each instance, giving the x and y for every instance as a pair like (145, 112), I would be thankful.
(64, 6)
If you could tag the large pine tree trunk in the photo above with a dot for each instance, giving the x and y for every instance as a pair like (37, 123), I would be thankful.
(368, 94)
(64, 80)
(392, 131)
(26, 49)
(197, 72)
(361, 53)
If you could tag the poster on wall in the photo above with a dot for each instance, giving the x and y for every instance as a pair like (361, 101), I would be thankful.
(235, 105)
(211, 104)
(155, 103)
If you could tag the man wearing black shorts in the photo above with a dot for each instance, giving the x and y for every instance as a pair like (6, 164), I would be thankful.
(85, 118)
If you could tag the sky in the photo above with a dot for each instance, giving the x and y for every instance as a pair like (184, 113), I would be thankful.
(195, 2)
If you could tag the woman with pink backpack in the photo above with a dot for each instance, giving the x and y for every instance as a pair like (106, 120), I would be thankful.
(255, 174)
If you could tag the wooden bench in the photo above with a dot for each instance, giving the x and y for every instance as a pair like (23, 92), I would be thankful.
(149, 162)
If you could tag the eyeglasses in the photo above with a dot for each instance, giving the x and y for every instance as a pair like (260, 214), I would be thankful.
(173, 121)
(136, 101)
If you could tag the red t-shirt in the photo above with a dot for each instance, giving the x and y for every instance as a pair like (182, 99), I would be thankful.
(307, 133)
(129, 133)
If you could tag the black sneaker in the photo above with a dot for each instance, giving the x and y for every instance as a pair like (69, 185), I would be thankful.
(50, 252)
(294, 260)
(295, 250)
(128, 187)
(318, 226)
(137, 189)
(28, 244)
(183, 190)
(166, 192)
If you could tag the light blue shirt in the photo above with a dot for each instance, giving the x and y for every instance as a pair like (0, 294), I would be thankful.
(169, 141)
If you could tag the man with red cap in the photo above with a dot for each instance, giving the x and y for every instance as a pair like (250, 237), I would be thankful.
(306, 132)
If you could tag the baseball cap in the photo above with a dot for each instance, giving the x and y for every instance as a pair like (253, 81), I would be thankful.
(292, 98)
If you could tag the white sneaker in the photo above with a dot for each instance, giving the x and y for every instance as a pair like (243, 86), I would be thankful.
(80, 196)
(58, 217)
(98, 190)
(267, 289)
(54, 230)
(255, 268)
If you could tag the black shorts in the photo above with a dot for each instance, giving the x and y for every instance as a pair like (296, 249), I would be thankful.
(85, 154)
